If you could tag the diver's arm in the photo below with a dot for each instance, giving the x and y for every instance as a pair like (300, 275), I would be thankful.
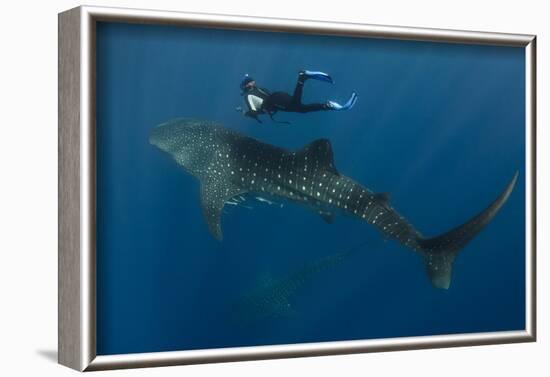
(249, 113)
(253, 115)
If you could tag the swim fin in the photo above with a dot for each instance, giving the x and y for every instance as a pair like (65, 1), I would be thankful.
(316, 75)
(332, 105)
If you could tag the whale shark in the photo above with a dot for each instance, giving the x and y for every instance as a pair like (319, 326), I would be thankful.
(270, 298)
(229, 164)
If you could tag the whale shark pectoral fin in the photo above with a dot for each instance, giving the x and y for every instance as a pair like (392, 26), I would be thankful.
(214, 194)
(327, 217)
(320, 151)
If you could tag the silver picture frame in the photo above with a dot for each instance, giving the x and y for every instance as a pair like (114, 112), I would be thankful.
(77, 199)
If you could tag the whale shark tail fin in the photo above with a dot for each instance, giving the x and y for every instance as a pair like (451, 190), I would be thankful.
(439, 252)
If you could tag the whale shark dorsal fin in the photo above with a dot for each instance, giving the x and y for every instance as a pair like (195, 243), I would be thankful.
(214, 194)
(319, 152)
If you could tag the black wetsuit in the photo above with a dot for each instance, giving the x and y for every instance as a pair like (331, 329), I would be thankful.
(259, 100)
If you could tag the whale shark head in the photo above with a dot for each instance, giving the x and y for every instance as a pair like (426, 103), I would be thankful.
(179, 135)
(192, 143)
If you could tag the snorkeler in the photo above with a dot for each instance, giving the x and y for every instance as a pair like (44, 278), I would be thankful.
(261, 101)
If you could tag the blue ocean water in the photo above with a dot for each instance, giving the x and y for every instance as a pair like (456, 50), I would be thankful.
(438, 126)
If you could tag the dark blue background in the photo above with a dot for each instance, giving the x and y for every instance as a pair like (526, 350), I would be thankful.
(438, 126)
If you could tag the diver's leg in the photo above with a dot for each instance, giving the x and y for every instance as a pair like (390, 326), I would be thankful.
(308, 108)
(278, 101)
(298, 90)
(329, 105)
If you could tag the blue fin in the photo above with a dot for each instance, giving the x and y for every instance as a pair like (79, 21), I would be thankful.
(348, 105)
(317, 75)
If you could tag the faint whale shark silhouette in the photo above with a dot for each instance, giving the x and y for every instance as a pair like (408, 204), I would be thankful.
(271, 297)
(229, 164)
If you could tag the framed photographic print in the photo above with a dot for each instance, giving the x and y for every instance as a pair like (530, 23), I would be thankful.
(236, 188)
